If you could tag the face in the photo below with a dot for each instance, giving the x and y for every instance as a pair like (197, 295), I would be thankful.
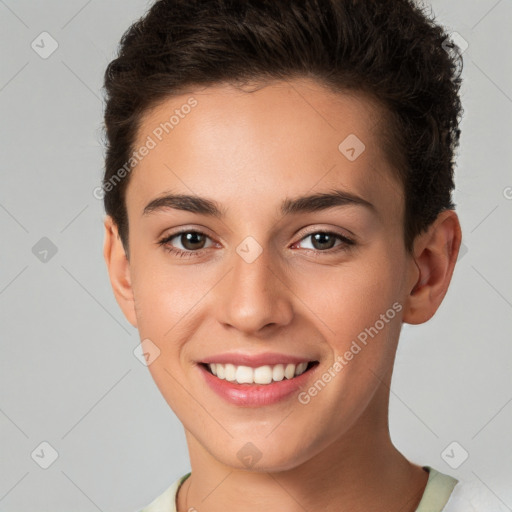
(267, 276)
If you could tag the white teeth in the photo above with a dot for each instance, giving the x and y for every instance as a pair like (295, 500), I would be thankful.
(278, 372)
(301, 368)
(244, 374)
(289, 371)
(229, 372)
(261, 375)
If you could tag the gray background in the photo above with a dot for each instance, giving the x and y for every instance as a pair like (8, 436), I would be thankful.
(68, 374)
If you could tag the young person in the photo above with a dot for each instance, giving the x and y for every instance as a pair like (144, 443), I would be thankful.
(278, 195)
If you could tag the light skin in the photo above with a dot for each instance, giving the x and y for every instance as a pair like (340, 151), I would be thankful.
(249, 152)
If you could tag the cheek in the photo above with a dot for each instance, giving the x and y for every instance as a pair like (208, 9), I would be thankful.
(347, 299)
(163, 298)
(166, 316)
(357, 310)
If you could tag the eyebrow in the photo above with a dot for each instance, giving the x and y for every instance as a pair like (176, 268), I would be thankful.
(290, 206)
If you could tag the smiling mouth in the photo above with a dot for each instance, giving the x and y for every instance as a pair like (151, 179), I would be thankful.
(267, 374)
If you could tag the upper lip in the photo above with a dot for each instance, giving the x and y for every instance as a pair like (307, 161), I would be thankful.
(255, 360)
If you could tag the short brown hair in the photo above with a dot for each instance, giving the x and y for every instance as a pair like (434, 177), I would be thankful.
(391, 49)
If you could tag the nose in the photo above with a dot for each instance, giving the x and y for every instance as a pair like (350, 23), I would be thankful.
(254, 295)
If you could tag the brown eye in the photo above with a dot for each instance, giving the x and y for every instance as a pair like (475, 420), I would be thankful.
(324, 241)
(192, 240)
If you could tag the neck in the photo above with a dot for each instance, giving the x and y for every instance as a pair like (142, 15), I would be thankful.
(360, 471)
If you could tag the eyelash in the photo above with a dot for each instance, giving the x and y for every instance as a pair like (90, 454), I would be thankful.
(164, 242)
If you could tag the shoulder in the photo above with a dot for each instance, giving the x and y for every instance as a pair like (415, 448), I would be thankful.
(444, 493)
(166, 502)
(474, 496)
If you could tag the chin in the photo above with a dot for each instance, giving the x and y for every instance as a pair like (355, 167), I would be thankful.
(261, 457)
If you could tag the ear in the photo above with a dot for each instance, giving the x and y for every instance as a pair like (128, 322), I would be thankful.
(435, 254)
(119, 270)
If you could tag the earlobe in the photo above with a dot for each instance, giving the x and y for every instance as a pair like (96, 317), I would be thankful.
(118, 268)
(435, 255)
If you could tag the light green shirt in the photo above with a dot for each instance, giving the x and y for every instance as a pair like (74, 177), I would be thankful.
(437, 492)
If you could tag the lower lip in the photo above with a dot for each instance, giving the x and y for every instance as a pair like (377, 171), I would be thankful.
(256, 395)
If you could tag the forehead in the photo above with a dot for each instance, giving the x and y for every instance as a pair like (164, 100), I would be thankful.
(283, 138)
